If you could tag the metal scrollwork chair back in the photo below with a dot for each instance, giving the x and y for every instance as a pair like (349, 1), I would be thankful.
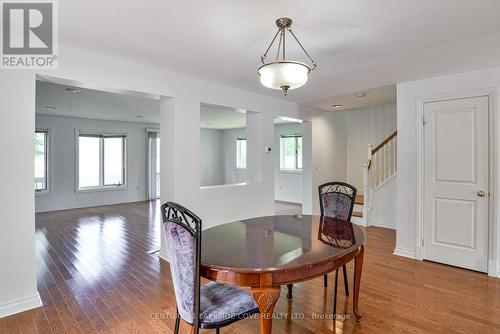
(210, 306)
(337, 200)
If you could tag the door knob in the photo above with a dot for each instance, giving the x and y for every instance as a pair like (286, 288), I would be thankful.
(481, 193)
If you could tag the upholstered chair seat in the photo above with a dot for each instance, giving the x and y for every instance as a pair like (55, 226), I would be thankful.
(222, 302)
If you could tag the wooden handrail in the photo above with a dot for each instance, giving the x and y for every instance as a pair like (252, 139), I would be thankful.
(382, 144)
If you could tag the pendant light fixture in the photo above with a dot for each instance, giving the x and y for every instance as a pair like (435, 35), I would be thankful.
(282, 73)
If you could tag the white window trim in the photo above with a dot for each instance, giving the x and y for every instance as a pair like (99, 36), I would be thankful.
(296, 155)
(48, 144)
(103, 187)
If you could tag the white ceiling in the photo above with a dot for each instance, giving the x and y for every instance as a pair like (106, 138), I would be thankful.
(221, 118)
(358, 44)
(94, 104)
(360, 99)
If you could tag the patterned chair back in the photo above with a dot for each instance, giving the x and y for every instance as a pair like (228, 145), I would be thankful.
(337, 199)
(183, 241)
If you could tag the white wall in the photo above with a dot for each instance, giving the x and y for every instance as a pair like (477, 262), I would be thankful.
(365, 126)
(231, 173)
(385, 205)
(450, 86)
(216, 204)
(339, 143)
(329, 152)
(287, 185)
(218, 157)
(211, 158)
(17, 206)
(256, 198)
(180, 157)
(62, 194)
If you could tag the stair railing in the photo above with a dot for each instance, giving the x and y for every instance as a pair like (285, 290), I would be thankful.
(380, 167)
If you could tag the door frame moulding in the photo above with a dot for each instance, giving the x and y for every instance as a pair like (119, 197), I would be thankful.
(493, 222)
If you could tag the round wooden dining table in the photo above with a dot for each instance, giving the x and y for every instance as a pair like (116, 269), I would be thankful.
(267, 252)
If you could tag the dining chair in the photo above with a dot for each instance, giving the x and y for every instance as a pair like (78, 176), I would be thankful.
(210, 306)
(336, 200)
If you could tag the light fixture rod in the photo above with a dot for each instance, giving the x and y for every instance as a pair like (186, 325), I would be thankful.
(279, 45)
(263, 57)
(303, 49)
(284, 24)
(284, 38)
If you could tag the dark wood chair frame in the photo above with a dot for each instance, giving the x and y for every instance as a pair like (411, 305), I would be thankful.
(349, 191)
(174, 213)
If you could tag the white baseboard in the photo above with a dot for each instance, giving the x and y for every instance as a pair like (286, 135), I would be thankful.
(405, 252)
(493, 269)
(288, 201)
(381, 223)
(20, 305)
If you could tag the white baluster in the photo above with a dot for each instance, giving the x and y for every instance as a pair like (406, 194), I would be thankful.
(382, 162)
(393, 151)
(395, 155)
(388, 160)
(385, 163)
(381, 166)
(393, 162)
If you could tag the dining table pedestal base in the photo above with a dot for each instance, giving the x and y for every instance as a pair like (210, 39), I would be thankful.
(266, 298)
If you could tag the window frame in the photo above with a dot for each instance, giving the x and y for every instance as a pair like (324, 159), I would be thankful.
(238, 153)
(102, 135)
(45, 191)
(295, 154)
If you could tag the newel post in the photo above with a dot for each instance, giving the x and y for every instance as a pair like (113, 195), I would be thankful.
(367, 168)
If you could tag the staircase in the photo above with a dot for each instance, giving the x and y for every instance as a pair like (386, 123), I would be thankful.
(380, 168)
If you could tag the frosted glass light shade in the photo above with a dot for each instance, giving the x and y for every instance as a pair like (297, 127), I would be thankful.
(282, 74)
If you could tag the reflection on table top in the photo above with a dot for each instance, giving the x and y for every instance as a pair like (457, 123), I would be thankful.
(278, 242)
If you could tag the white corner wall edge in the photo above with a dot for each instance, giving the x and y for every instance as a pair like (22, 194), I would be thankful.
(405, 252)
(163, 255)
(20, 305)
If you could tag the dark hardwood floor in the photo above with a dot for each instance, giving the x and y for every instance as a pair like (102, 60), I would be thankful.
(95, 276)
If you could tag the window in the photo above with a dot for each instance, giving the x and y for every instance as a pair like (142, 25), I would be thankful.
(241, 153)
(291, 152)
(101, 161)
(41, 160)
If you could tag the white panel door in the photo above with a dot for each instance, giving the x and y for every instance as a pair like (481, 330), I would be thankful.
(456, 182)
